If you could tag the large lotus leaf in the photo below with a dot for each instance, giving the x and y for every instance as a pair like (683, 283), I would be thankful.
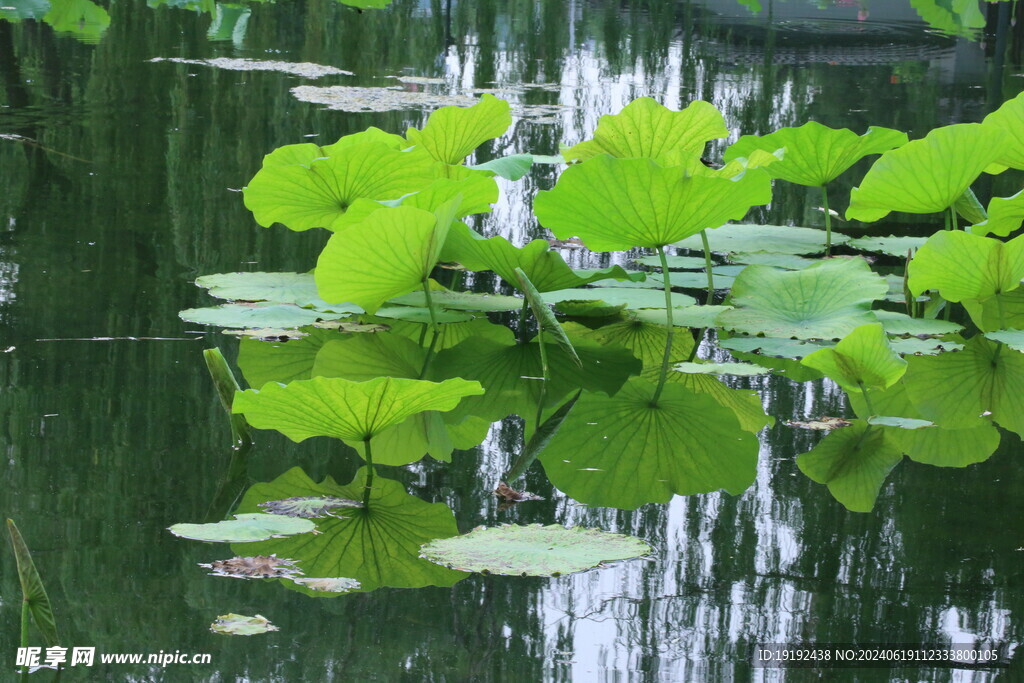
(954, 389)
(546, 269)
(933, 446)
(281, 361)
(675, 262)
(262, 314)
(244, 528)
(780, 239)
(616, 204)
(377, 545)
(512, 374)
(862, 360)
(999, 312)
(314, 193)
(926, 175)
(688, 316)
(417, 314)
(854, 462)
(1009, 119)
(389, 254)
(344, 409)
(623, 451)
(964, 266)
(891, 245)
(769, 258)
(281, 288)
(633, 298)
(746, 404)
(825, 301)
(1004, 216)
(452, 133)
(532, 550)
(645, 128)
(476, 192)
(461, 301)
(901, 323)
(816, 154)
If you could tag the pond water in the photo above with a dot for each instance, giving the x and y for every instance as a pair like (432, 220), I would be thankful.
(127, 189)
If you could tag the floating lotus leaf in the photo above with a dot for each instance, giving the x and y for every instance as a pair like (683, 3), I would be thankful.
(461, 301)
(675, 262)
(623, 451)
(688, 280)
(926, 175)
(816, 154)
(688, 316)
(770, 258)
(334, 584)
(301, 69)
(954, 389)
(975, 442)
(254, 567)
(376, 546)
(588, 309)
(964, 266)
(901, 323)
(776, 347)
(613, 296)
(824, 301)
(417, 314)
(737, 369)
(268, 334)
(780, 239)
(262, 362)
(279, 288)
(264, 314)
(546, 269)
(343, 409)
(617, 204)
(912, 346)
(304, 189)
(308, 507)
(244, 528)
(452, 133)
(900, 422)
(862, 359)
(389, 254)
(1009, 119)
(1004, 216)
(645, 128)
(1012, 338)
(476, 193)
(891, 245)
(532, 550)
(512, 167)
(241, 625)
(853, 462)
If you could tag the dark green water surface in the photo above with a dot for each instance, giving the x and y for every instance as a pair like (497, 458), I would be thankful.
(111, 431)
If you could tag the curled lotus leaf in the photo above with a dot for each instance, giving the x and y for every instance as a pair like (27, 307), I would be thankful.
(617, 204)
(241, 625)
(254, 567)
(335, 584)
(244, 528)
(962, 266)
(452, 133)
(646, 129)
(1005, 215)
(532, 550)
(862, 359)
(816, 154)
(308, 506)
(1008, 118)
(926, 175)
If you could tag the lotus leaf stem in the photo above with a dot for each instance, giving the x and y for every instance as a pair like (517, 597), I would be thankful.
(828, 221)
(867, 401)
(668, 320)
(522, 320)
(24, 623)
(430, 306)
(545, 373)
(707, 267)
(952, 218)
(369, 472)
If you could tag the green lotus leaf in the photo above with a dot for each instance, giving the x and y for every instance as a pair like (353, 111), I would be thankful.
(452, 133)
(669, 452)
(241, 625)
(988, 379)
(690, 280)
(969, 207)
(613, 296)
(816, 154)
(912, 346)
(745, 404)
(377, 545)
(853, 462)
(588, 309)
(461, 301)
(86, 20)
(862, 359)
(936, 446)
(1000, 312)
(780, 239)
(1009, 119)
(737, 369)
(448, 335)
(263, 314)
(244, 528)
(824, 301)
(281, 361)
(689, 316)
(900, 422)
(418, 314)
(675, 262)
(1012, 338)
(532, 550)
(280, 288)
(313, 193)
(512, 167)
(891, 245)
(926, 175)
(1004, 216)
(354, 411)
(776, 347)
(901, 323)
(617, 204)
(964, 266)
(477, 193)
(769, 258)
(546, 269)
(645, 128)
(389, 254)
(33, 592)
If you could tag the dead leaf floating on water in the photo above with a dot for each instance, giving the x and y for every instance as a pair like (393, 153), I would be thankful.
(338, 584)
(241, 625)
(303, 69)
(510, 495)
(255, 567)
(823, 424)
